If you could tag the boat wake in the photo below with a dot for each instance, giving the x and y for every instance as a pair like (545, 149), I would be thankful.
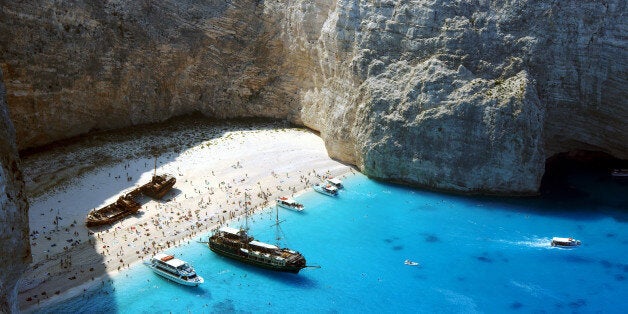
(462, 302)
(533, 243)
(534, 290)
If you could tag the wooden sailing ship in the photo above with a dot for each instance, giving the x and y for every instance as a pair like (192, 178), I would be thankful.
(238, 245)
(124, 206)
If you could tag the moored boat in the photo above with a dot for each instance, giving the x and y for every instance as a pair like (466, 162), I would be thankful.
(238, 245)
(335, 182)
(565, 242)
(174, 269)
(289, 203)
(326, 189)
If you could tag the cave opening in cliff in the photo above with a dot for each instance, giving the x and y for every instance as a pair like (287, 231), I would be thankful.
(582, 175)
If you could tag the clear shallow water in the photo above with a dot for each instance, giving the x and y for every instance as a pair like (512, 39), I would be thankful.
(475, 254)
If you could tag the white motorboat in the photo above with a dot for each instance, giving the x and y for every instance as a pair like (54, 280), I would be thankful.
(326, 189)
(289, 203)
(410, 263)
(335, 182)
(174, 269)
(565, 242)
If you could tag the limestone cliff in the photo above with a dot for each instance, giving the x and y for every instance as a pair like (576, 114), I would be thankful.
(468, 96)
(13, 214)
(76, 66)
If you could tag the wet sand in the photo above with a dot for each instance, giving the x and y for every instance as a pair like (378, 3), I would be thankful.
(214, 167)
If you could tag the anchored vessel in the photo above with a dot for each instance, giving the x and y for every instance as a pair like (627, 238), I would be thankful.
(335, 182)
(124, 206)
(237, 244)
(326, 189)
(565, 242)
(289, 203)
(174, 269)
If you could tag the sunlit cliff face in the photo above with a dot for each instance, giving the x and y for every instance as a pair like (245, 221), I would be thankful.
(469, 97)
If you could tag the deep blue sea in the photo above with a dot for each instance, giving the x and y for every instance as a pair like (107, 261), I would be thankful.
(490, 255)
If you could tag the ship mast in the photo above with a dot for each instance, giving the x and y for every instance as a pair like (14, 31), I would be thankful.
(244, 231)
(278, 231)
(246, 211)
(155, 168)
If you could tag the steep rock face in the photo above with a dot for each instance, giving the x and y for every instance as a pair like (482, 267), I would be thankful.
(76, 66)
(468, 96)
(13, 214)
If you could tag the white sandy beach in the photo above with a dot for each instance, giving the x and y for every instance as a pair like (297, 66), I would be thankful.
(212, 173)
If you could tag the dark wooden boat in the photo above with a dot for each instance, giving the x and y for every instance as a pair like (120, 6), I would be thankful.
(238, 245)
(124, 206)
(158, 186)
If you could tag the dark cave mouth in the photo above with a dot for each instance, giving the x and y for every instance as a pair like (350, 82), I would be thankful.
(585, 175)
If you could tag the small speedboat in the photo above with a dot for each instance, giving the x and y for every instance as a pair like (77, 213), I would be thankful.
(174, 269)
(565, 242)
(335, 182)
(410, 263)
(289, 203)
(326, 189)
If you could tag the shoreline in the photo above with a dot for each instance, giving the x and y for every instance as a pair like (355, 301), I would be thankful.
(284, 162)
(91, 285)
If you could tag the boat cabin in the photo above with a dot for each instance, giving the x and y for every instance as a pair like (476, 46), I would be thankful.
(335, 182)
(172, 265)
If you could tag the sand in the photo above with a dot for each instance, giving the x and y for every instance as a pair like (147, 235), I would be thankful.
(214, 164)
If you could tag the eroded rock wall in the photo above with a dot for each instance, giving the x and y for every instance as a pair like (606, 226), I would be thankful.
(467, 96)
(76, 66)
(14, 241)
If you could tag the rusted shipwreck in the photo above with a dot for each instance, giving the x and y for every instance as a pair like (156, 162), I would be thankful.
(126, 205)
(158, 186)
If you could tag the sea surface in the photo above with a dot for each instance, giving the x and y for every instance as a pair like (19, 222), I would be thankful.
(489, 255)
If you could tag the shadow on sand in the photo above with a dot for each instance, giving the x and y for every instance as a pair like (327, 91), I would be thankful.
(75, 163)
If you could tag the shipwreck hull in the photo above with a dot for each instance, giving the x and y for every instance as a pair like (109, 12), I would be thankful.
(158, 186)
(111, 213)
(92, 222)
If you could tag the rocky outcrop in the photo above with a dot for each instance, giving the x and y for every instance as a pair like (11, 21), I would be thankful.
(467, 96)
(13, 214)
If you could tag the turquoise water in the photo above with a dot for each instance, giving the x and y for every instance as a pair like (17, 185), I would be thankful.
(476, 255)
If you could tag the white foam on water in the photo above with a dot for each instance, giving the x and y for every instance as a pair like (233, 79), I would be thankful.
(534, 290)
(533, 243)
(463, 303)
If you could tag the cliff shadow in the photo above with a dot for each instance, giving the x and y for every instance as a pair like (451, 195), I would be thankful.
(586, 181)
(87, 172)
